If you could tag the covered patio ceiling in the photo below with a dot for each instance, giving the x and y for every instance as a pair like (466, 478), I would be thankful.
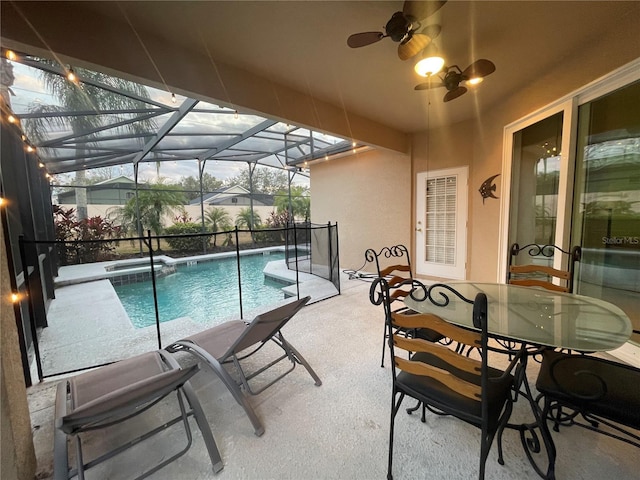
(96, 121)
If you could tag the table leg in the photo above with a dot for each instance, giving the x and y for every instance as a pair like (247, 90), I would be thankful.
(533, 442)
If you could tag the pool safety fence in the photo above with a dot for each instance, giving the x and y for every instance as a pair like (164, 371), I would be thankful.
(91, 339)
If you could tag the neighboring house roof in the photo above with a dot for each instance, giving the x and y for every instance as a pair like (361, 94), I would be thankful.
(99, 193)
(117, 180)
(224, 194)
(205, 197)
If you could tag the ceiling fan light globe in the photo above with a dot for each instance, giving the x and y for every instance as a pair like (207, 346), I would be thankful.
(474, 81)
(429, 66)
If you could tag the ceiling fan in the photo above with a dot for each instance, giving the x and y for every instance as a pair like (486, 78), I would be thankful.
(403, 28)
(453, 77)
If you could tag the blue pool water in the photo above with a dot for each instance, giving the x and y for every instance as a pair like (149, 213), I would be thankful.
(204, 291)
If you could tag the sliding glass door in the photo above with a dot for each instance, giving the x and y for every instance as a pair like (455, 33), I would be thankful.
(606, 207)
(574, 179)
(536, 152)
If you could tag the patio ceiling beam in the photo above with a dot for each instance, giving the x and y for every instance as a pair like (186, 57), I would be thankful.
(185, 108)
(124, 136)
(83, 113)
(337, 148)
(170, 153)
(249, 133)
(61, 140)
(60, 71)
(89, 156)
(215, 110)
(75, 165)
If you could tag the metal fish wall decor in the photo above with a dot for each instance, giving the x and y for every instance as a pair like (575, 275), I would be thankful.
(488, 187)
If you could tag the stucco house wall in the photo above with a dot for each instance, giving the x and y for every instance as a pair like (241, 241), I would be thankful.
(369, 196)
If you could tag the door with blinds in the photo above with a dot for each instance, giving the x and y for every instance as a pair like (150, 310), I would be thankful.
(441, 223)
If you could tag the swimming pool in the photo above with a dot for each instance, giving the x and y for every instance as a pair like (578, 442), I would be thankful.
(203, 291)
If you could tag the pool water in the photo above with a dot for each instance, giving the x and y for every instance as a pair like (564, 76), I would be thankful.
(203, 292)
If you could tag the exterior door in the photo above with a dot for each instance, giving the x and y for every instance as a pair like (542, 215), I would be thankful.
(573, 180)
(606, 204)
(441, 223)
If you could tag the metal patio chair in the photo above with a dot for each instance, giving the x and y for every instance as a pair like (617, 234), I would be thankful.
(590, 392)
(535, 270)
(395, 274)
(115, 393)
(530, 266)
(446, 381)
(235, 340)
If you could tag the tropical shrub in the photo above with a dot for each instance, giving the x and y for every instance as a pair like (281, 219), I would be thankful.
(187, 244)
(276, 221)
(99, 233)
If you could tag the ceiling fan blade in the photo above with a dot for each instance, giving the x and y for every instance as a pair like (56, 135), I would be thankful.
(479, 68)
(415, 45)
(453, 94)
(365, 38)
(420, 10)
(428, 85)
(431, 31)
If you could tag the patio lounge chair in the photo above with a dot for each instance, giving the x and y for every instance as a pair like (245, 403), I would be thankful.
(230, 343)
(114, 394)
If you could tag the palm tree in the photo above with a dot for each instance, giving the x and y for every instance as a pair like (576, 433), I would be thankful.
(248, 219)
(217, 219)
(153, 204)
(75, 97)
(300, 202)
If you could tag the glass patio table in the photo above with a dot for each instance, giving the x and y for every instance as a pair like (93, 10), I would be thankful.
(531, 317)
(536, 316)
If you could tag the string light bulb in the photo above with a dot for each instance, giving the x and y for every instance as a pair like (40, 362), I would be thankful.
(30, 149)
(10, 55)
(71, 76)
(235, 115)
(173, 98)
(12, 119)
(15, 297)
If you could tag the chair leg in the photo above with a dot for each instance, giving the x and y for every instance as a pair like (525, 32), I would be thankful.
(301, 360)
(60, 445)
(503, 423)
(79, 458)
(484, 453)
(239, 397)
(394, 410)
(203, 425)
(384, 345)
(229, 382)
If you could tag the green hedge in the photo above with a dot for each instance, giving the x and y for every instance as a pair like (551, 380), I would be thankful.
(189, 243)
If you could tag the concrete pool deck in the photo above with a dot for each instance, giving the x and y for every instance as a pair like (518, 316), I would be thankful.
(87, 319)
(336, 431)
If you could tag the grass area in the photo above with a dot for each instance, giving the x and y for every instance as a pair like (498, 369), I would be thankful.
(127, 249)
